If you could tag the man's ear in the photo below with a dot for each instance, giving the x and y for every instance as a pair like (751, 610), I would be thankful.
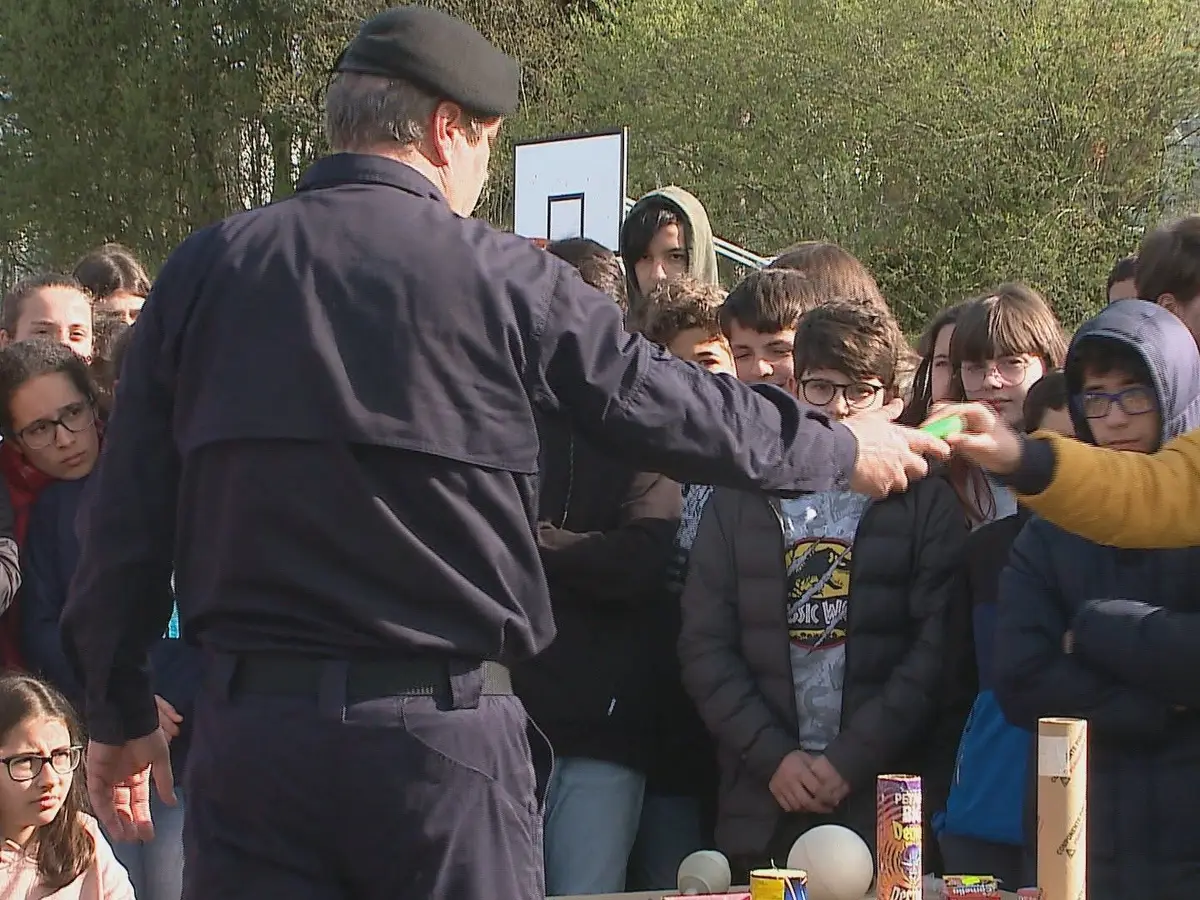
(5, 338)
(1169, 303)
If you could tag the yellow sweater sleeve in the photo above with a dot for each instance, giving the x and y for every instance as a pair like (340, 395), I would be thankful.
(1134, 500)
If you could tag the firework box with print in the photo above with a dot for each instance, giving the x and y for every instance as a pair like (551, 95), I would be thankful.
(898, 836)
(1062, 808)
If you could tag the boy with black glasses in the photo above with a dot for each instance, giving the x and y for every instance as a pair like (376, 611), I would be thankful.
(778, 590)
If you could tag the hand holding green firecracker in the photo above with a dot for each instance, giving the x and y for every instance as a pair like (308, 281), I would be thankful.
(984, 438)
(944, 427)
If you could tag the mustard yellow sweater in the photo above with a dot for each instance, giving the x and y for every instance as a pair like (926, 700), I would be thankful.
(1134, 500)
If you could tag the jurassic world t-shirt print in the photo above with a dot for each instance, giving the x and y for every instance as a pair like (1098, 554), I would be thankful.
(818, 531)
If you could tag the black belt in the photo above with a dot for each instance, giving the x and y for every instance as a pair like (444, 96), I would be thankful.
(302, 676)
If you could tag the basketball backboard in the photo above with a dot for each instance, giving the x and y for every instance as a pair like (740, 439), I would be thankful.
(571, 186)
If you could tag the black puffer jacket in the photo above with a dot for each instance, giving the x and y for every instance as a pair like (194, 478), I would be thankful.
(605, 535)
(906, 569)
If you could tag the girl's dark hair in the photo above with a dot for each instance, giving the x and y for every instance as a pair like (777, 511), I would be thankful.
(1126, 269)
(111, 338)
(24, 360)
(112, 269)
(638, 230)
(644, 222)
(1012, 320)
(597, 265)
(13, 303)
(1047, 393)
(917, 410)
(64, 849)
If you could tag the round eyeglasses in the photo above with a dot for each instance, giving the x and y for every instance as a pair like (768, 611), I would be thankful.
(1134, 401)
(28, 766)
(821, 392)
(75, 417)
(1011, 370)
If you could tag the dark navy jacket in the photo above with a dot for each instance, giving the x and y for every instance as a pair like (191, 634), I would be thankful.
(1144, 753)
(51, 557)
(325, 422)
(605, 534)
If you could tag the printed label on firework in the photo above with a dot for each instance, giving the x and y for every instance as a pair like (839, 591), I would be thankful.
(898, 838)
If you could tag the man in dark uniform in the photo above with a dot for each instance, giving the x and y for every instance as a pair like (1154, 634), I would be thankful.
(325, 425)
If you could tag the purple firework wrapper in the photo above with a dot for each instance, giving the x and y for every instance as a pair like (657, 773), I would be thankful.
(898, 838)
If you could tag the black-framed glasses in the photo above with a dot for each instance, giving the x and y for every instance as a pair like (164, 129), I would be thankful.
(1134, 401)
(28, 766)
(1011, 370)
(74, 417)
(821, 392)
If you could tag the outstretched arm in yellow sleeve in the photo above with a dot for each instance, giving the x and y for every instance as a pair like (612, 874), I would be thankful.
(1122, 499)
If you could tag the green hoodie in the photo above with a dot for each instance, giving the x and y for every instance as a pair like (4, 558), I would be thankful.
(702, 252)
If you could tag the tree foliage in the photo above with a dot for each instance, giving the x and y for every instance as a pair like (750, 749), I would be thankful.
(141, 120)
(950, 143)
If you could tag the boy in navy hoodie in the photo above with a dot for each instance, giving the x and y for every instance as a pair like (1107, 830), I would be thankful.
(1133, 376)
(48, 405)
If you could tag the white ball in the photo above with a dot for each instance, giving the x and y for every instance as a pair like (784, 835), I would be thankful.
(704, 872)
(837, 860)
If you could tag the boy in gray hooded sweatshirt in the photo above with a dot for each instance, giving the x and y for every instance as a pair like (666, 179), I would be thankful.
(665, 235)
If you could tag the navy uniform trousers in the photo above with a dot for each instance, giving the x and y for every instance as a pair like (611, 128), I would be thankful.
(329, 781)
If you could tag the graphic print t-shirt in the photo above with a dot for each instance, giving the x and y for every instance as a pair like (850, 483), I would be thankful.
(818, 531)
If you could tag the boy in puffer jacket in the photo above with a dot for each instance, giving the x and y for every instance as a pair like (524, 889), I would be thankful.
(814, 627)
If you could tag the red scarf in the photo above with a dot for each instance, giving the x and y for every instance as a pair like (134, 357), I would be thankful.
(25, 483)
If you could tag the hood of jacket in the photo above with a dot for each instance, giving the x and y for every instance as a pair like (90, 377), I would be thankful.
(1167, 348)
(702, 251)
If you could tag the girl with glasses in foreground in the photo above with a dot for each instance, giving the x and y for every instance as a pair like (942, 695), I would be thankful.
(48, 409)
(50, 849)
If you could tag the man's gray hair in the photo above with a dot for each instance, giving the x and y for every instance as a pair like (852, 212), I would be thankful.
(364, 111)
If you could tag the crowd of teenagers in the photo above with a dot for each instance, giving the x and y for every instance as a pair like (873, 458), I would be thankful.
(730, 669)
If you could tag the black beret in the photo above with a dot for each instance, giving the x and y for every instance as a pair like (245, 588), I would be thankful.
(438, 52)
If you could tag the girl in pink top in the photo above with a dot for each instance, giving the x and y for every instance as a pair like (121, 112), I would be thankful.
(49, 849)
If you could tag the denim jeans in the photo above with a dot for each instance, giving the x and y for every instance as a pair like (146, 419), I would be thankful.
(156, 867)
(592, 813)
(670, 829)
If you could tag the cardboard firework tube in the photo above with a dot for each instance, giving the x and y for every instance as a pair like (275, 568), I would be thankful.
(898, 835)
(1062, 808)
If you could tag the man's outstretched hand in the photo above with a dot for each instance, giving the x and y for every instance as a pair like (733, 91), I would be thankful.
(986, 439)
(889, 455)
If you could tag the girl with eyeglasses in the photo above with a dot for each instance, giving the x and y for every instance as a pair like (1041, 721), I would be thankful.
(48, 413)
(1003, 344)
(49, 848)
(48, 409)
